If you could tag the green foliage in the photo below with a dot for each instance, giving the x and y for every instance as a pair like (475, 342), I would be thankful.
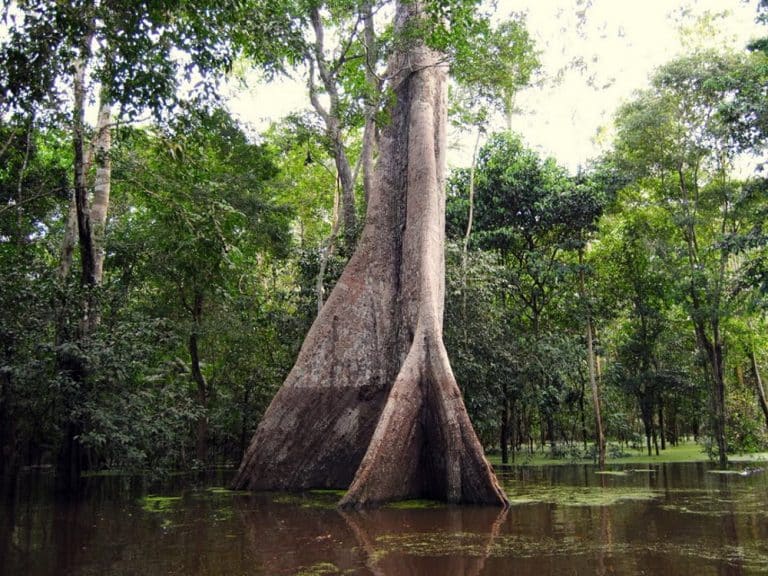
(209, 231)
(680, 139)
(492, 68)
(517, 338)
(134, 48)
(217, 239)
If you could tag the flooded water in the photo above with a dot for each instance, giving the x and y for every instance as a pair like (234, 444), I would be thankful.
(671, 519)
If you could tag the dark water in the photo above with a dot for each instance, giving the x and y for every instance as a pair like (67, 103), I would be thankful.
(671, 519)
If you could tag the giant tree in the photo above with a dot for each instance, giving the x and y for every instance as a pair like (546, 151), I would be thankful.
(371, 403)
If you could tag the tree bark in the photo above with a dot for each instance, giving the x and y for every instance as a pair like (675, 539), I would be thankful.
(371, 403)
(333, 128)
(468, 233)
(69, 239)
(101, 188)
(70, 456)
(84, 232)
(759, 385)
(662, 433)
(504, 433)
(327, 253)
(713, 348)
(599, 436)
(646, 412)
(8, 449)
(370, 143)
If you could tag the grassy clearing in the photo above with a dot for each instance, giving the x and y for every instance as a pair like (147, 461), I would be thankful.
(683, 452)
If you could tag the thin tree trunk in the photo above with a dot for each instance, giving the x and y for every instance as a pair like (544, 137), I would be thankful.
(69, 239)
(713, 350)
(648, 438)
(243, 420)
(599, 436)
(515, 433)
(372, 103)
(20, 183)
(333, 130)
(8, 451)
(661, 425)
(468, 233)
(70, 455)
(371, 403)
(327, 254)
(201, 436)
(759, 385)
(101, 188)
(582, 410)
(504, 435)
(84, 232)
(674, 426)
(646, 413)
(70, 227)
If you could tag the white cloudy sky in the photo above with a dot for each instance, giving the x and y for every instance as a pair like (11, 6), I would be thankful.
(621, 42)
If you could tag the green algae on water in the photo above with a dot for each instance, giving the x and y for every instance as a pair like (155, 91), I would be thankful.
(577, 496)
(415, 504)
(220, 491)
(159, 503)
(328, 492)
(320, 569)
(308, 500)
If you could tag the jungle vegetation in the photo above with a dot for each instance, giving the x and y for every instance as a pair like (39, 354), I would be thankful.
(161, 263)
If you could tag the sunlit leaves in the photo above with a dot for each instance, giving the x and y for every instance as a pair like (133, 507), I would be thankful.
(143, 52)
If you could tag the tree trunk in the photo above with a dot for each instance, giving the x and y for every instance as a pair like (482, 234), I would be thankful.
(8, 449)
(673, 426)
(515, 431)
(101, 188)
(69, 458)
(333, 128)
(713, 348)
(759, 385)
(201, 436)
(69, 239)
(662, 432)
(468, 233)
(371, 403)
(582, 410)
(504, 436)
(327, 253)
(372, 102)
(84, 232)
(599, 436)
(646, 413)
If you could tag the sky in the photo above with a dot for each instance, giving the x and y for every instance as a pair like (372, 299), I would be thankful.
(567, 115)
